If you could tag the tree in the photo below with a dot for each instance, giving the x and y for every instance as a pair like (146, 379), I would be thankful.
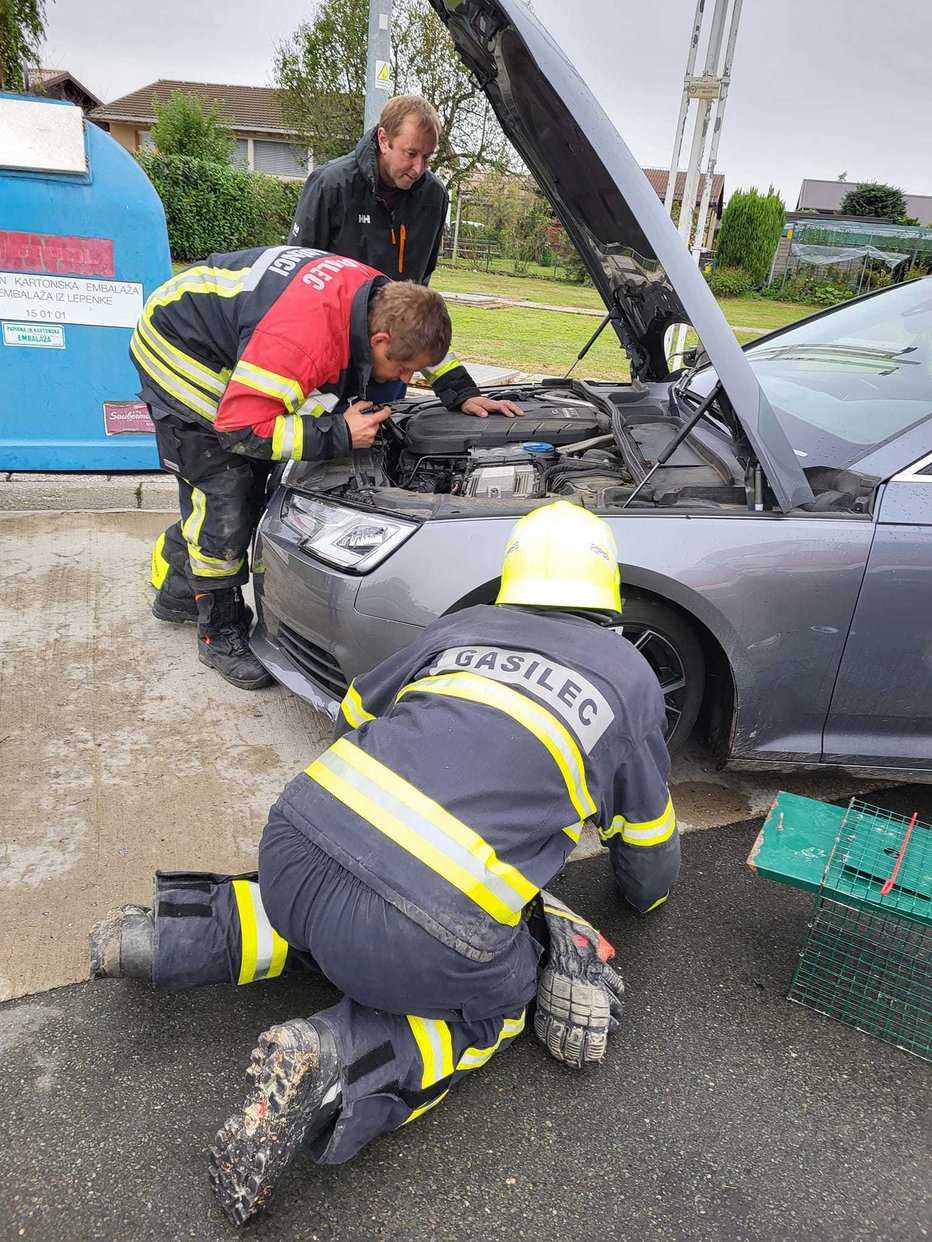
(320, 72)
(425, 62)
(874, 198)
(188, 125)
(750, 232)
(22, 26)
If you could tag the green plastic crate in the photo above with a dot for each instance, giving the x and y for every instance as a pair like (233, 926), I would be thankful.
(867, 956)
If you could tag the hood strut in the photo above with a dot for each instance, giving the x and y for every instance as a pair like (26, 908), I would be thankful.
(675, 443)
(613, 314)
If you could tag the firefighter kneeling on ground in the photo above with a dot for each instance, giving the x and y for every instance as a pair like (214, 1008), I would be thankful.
(408, 863)
(248, 360)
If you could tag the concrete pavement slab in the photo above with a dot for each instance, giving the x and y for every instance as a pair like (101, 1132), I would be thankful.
(121, 754)
(721, 1112)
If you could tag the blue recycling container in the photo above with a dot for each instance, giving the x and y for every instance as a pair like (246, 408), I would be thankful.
(82, 245)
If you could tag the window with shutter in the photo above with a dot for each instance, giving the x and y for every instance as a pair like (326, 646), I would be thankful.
(279, 158)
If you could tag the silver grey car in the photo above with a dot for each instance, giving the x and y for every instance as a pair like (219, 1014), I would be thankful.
(772, 505)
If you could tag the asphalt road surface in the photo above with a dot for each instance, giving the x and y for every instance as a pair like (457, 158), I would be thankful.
(722, 1110)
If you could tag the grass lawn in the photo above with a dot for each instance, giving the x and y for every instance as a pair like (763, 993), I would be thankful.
(526, 289)
(547, 342)
(541, 342)
(538, 342)
(748, 312)
(751, 312)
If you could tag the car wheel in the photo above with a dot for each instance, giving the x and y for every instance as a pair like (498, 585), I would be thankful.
(670, 647)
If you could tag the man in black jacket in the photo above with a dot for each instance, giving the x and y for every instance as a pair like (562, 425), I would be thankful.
(381, 205)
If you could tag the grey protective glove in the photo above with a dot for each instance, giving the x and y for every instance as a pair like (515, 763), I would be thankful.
(579, 996)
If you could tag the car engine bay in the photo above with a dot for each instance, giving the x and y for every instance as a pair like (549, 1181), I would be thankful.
(585, 442)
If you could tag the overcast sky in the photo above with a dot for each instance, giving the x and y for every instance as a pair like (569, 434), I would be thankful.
(819, 87)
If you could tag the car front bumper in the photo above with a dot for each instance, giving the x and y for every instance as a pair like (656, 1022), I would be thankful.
(309, 633)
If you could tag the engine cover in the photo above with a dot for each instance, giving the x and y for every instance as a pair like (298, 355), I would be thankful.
(438, 431)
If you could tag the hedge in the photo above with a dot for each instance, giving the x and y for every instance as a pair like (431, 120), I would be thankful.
(210, 208)
(730, 282)
(750, 232)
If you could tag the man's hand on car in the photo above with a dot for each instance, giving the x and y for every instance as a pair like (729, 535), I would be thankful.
(482, 407)
(363, 419)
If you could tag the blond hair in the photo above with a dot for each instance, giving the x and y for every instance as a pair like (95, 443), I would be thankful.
(415, 317)
(420, 110)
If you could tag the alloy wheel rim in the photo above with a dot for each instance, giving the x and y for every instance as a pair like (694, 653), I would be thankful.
(667, 664)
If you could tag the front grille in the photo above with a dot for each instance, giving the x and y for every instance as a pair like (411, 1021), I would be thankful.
(315, 662)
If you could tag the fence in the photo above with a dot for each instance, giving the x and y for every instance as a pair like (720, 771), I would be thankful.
(483, 239)
(855, 255)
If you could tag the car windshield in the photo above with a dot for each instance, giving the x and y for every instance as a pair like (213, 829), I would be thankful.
(850, 380)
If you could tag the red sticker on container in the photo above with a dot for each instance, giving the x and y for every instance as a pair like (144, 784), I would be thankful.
(123, 417)
(56, 254)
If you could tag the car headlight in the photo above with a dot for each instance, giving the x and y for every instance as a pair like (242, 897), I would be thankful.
(341, 536)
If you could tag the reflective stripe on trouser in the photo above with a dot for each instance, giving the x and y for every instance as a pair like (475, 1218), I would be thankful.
(213, 929)
(398, 1067)
(170, 565)
(645, 873)
(221, 496)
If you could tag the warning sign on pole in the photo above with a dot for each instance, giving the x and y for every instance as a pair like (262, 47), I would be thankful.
(704, 88)
(382, 79)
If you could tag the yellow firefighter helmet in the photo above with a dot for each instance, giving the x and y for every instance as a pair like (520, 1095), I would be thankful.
(561, 556)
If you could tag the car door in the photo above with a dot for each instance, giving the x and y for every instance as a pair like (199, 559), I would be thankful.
(881, 708)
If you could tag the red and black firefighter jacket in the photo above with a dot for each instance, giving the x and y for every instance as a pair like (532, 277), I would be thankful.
(466, 765)
(341, 209)
(260, 346)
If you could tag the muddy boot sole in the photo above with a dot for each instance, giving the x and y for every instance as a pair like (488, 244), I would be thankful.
(254, 1148)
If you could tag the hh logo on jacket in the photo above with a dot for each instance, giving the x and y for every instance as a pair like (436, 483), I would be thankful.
(365, 219)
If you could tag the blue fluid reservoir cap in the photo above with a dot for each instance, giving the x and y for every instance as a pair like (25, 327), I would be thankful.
(538, 446)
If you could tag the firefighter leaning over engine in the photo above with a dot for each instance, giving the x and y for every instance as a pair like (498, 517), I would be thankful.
(250, 359)
(408, 864)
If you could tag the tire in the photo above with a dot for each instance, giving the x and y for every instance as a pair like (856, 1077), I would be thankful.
(671, 648)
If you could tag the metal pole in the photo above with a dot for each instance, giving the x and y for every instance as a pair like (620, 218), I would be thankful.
(456, 225)
(700, 132)
(378, 60)
(684, 107)
(702, 122)
(717, 130)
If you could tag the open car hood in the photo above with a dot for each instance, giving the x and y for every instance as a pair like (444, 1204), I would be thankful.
(630, 246)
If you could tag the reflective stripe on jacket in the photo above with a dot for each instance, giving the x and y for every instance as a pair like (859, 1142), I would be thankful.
(467, 764)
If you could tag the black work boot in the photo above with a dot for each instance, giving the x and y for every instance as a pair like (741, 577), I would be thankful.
(123, 944)
(294, 1079)
(180, 609)
(174, 601)
(223, 639)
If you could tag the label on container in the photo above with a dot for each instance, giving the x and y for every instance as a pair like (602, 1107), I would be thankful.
(57, 254)
(34, 335)
(44, 298)
(122, 417)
